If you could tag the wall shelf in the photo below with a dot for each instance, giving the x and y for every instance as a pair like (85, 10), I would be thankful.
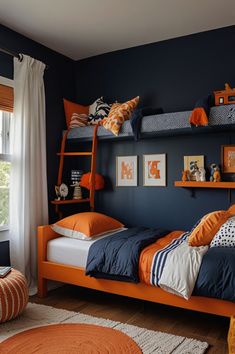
(70, 201)
(192, 184)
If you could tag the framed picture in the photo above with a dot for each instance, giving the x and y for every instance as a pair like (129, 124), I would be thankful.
(228, 158)
(154, 170)
(192, 163)
(126, 171)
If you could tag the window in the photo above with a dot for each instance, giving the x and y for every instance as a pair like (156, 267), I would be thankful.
(6, 108)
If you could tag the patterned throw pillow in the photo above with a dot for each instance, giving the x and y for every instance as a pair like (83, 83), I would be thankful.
(225, 237)
(119, 112)
(78, 120)
(71, 107)
(97, 111)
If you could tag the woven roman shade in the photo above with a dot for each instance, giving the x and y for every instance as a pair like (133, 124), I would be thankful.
(6, 98)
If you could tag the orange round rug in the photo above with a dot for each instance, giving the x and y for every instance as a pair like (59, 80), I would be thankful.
(70, 338)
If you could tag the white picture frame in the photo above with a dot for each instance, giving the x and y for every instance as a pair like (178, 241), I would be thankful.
(126, 171)
(154, 170)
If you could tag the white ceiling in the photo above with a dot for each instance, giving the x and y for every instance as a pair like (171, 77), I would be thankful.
(84, 28)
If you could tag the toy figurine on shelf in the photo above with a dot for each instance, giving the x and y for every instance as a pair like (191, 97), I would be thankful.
(185, 176)
(77, 193)
(193, 168)
(215, 173)
(197, 175)
(202, 174)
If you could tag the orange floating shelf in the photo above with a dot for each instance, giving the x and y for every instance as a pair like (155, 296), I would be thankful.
(192, 184)
(70, 201)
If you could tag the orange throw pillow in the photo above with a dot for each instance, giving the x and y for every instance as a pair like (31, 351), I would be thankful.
(231, 210)
(118, 113)
(71, 107)
(84, 226)
(205, 231)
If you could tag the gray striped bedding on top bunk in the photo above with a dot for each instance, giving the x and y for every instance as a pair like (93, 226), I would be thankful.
(155, 124)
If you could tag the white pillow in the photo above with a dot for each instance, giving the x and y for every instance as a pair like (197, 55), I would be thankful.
(225, 237)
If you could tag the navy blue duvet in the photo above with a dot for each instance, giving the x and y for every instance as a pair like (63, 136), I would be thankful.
(117, 257)
(217, 274)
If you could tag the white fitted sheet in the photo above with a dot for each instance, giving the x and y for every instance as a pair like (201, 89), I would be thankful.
(70, 251)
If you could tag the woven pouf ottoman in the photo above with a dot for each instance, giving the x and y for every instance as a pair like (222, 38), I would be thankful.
(13, 295)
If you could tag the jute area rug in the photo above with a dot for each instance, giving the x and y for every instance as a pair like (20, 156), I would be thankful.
(150, 342)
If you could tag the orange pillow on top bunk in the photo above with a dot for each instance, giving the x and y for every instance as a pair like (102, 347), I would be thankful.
(74, 109)
(118, 113)
(85, 226)
(209, 225)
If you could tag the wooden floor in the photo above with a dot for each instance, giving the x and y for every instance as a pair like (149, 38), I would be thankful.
(212, 329)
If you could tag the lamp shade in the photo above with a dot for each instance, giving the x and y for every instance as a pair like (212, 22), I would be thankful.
(86, 183)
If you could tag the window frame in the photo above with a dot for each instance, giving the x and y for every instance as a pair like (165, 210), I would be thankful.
(5, 157)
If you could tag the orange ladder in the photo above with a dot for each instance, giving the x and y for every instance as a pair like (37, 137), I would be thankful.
(63, 154)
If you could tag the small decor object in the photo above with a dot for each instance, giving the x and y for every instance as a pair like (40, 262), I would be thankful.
(228, 158)
(86, 181)
(215, 173)
(226, 96)
(193, 163)
(57, 192)
(201, 112)
(4, 271)
(154, 170)
(185, 176)
(63, 189)
(197, 175)
(126, 171)
(202, 173)
(77, 193)
(76, 175)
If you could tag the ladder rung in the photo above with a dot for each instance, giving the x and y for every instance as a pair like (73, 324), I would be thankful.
(74, 154)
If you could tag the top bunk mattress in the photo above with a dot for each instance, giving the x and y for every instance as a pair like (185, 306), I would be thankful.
(168, 123)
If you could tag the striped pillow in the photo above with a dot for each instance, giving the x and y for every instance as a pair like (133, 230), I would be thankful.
(78, 120)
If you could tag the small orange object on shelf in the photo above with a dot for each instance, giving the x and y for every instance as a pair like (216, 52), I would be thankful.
(194, 184)
(226, 96)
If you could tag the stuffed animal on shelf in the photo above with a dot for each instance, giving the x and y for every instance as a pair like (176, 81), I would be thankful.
(202, 174)
(185, 176)
(215, 173)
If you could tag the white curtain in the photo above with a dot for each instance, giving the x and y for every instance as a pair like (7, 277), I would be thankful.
(28, 190)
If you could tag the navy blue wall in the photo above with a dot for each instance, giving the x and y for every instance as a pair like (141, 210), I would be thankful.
(172, 74)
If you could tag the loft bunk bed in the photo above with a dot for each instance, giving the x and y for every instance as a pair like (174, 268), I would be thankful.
(166, 124)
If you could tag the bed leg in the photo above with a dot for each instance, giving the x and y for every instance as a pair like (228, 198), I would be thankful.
(231, 336)
(42, 287)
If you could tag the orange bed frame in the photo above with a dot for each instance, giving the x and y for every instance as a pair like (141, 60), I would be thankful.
(76, 276)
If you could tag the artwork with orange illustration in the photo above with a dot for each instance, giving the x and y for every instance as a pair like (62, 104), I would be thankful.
(153, 169)
(127, 170)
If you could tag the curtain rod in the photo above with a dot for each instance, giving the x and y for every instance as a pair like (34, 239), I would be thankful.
(14, 54)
